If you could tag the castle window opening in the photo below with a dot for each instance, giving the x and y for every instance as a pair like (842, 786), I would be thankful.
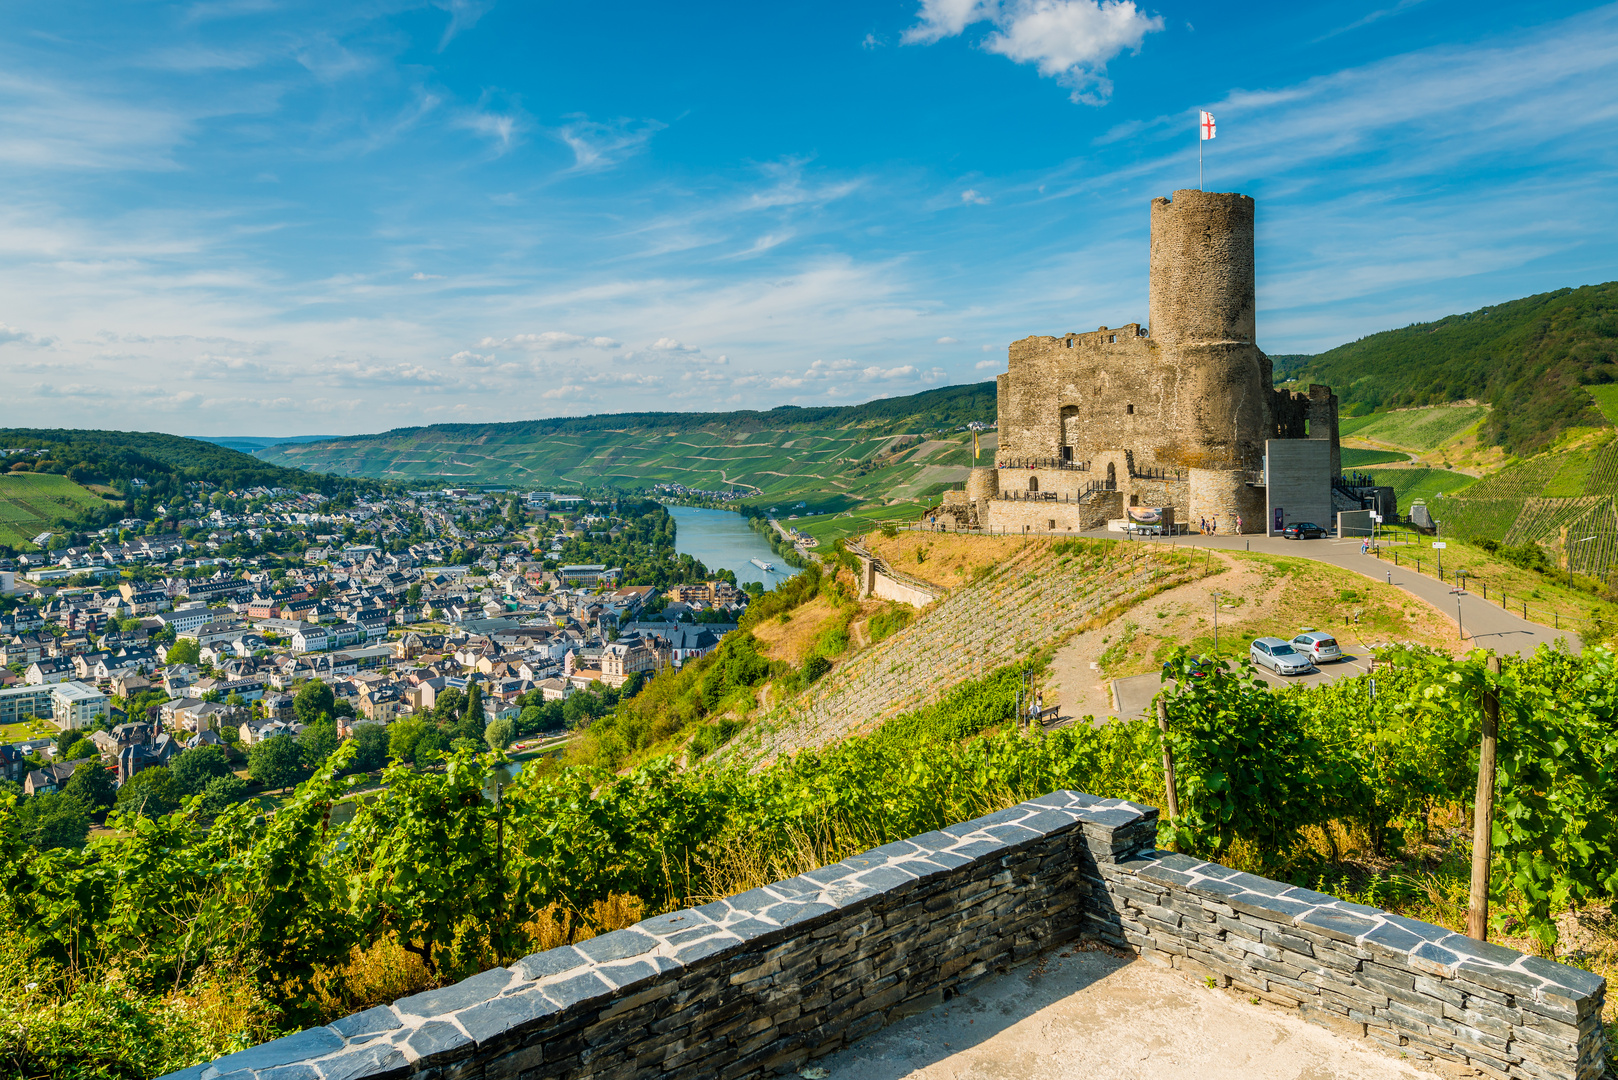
(1112, 476)
(1129, 409)
(1033, 483)
(1067, 453)
(1112, 338)
(1134, 500)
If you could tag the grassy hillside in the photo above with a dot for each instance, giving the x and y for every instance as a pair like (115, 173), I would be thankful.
(30, 503)
(46, 477)
(831, 458)
(1534, 359)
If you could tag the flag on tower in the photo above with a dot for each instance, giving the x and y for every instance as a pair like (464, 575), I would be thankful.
(1207, 126)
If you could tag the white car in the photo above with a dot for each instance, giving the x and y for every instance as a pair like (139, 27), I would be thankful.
(1318, 646)
(1279, 656)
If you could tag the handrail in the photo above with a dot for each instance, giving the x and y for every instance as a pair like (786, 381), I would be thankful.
(1042, 463)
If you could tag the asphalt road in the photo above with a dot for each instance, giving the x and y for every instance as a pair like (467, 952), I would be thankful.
(1481, 623)
(1134, 693)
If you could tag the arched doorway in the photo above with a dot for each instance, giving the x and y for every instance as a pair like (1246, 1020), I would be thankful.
(1112, 476)
(1033, 483)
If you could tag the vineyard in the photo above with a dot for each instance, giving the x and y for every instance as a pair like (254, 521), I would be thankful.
(1567, 497)
(31, 502)
(1414, 429)
(191, 938)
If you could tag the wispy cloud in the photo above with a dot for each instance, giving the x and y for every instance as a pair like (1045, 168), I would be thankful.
(597, 145)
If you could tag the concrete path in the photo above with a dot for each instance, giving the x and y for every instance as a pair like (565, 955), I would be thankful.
(1091, 1015)
(1486, 625)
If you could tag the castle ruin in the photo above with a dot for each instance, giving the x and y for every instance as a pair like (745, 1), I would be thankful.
(1181, 418)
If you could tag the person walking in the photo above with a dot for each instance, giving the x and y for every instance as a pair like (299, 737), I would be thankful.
(1036, 708)
(1215, 530)
(1238, 524)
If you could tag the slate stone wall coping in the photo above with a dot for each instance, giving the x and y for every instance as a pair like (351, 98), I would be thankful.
(758, 983)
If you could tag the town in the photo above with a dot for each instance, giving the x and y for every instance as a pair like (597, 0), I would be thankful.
(425, 617)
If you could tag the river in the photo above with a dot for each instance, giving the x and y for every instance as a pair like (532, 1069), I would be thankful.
(722, 540)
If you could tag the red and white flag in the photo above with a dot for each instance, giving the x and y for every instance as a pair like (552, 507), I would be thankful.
(1207, 126)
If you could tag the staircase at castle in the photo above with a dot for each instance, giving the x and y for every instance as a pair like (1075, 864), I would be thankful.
(1034, 599)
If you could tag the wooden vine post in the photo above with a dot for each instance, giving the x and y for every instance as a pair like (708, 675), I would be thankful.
(1168, 761)
(1477, 910)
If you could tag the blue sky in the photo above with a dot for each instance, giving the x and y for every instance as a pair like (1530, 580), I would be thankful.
(269, 218)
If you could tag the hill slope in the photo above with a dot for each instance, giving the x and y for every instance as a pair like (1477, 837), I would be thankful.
(832, 456)
(47, 480)
(1532, 359)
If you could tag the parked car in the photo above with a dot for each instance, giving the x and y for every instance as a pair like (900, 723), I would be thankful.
(1317, 646)
(1201, 667)
(1279, 656)
(1303, 530)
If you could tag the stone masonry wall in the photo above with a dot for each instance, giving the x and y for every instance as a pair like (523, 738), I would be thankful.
(760, 983)
(1417, 989)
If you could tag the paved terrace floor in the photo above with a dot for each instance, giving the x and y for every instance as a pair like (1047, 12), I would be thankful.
(1091, 1016)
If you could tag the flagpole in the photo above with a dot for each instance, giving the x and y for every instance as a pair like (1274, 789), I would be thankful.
(1199, 151)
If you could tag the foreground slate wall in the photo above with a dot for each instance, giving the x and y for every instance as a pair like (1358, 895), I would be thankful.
(760, 983)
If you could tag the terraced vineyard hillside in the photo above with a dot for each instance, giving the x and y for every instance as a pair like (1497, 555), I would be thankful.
(1567, 500)
(30, 503)
(1036, 598)
(831, 458)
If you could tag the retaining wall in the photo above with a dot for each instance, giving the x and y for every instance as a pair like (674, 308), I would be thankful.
(760, 983)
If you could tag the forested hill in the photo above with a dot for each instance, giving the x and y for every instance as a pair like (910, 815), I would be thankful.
(1533, 359)
(162, 462)
(788, 450)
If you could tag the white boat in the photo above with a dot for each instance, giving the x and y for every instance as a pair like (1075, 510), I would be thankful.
(762, 565)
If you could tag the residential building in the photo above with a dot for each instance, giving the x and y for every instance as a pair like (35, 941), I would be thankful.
(17, 703)
(76, 706)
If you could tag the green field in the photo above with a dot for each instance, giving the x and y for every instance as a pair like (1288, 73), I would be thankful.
(1420, 430)
(1364, 459)
(856, 522)
(10, 733)
(30, 502)
(1606, 399)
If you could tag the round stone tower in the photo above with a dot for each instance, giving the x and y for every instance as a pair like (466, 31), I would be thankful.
(1202, 311)
(982, 484)
(1202, 268)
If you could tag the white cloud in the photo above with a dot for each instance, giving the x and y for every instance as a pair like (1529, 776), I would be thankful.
(972, 195)
(1068, 40)
(601, 146)
(549, 341)
(948, 341)
(419, 276)
(668, 344)
(10, 335)
(985, 365)
(498, 128)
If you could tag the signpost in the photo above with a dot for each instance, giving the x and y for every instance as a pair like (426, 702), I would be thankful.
(1439, 546)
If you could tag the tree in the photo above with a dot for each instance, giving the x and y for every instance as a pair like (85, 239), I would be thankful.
(183, 651)
(195, 768)
(472, 721)
(449, 705)
(413, 594)
(94, 785)
(499, 734)
(277, 762)
(433, 742)
(317, 741)
(371, 747)
(150, 792)
(222, 792)
(532, 720)
(53, 820)
(313, 700)
(403, 735)
(80, 749)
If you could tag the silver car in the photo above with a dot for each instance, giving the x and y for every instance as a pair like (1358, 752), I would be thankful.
(1318, 646)
(1279, 656)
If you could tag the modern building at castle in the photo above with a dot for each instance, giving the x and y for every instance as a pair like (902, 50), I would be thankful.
(1182, 416)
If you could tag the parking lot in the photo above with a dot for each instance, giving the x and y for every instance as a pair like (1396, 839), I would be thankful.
(1132, 696)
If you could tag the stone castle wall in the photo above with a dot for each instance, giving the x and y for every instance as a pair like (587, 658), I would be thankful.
(1225, 494)
(761, 983)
